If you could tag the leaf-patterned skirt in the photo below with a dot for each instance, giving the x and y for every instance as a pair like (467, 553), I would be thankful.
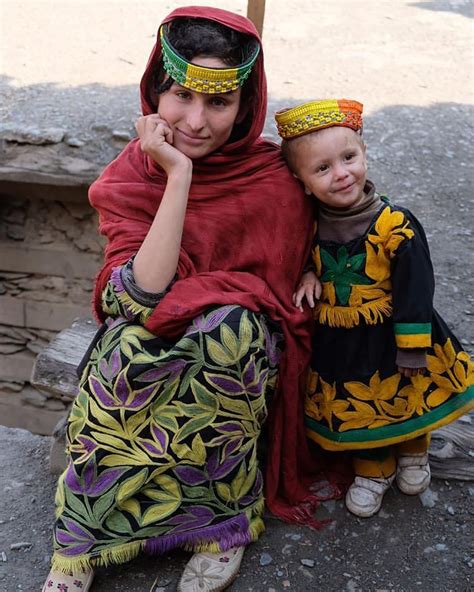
(162, 441)
(356, 399)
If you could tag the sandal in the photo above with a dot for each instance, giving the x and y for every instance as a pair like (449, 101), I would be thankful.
(211, 572)
(60, 582)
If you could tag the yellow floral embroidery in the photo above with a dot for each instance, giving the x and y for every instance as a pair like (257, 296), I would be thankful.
(377, 265)
(379, 392)
(312, 382)
(414, 394)
(391, 230)
(317, 261)
(328, 293)
(362, 417)
(457, 368)
(322, 405)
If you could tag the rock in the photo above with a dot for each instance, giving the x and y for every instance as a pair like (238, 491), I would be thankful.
(16, 387)
(121, 135)
(22, 545)
(32, 135)
(450, 510)
(305, 572)
(383, 514)
(3, 556)
(16, 232)
(287, 549)
(33, 397)
(75, 142)
(441, 547)
(329, 505)
(307, 562)
(428, 498)
(428, 550)
(351, 586)
(55, 405)
(265, 559)
(10, 348)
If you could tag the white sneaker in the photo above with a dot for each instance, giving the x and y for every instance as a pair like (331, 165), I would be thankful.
(413, 473)
(364, 496)
(211, 572)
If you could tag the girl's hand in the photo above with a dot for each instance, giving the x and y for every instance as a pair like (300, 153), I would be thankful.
(409, 372)
(156, 140)
(309, 288)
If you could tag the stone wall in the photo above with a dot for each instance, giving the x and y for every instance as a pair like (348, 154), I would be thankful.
(49, 254)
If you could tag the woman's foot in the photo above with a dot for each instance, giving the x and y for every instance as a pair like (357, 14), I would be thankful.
(211, 572)
(413, 473)
(364, 497)
(59, 582)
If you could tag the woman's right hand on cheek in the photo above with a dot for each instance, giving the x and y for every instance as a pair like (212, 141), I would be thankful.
(156, 140)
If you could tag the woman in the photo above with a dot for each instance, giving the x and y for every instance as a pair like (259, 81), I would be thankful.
(201, 216)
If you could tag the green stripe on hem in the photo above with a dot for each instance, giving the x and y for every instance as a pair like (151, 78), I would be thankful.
(391, 431)
(412, 328)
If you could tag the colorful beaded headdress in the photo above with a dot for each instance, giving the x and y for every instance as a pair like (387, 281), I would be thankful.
(317, 115)
(199, 78)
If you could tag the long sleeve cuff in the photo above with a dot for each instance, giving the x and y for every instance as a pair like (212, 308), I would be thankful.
(140, 296)
(412, 335)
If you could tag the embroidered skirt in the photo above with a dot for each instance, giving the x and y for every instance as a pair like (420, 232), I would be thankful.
(162, 441)
(356, 398)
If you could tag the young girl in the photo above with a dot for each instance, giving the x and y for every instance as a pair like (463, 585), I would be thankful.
(385, 369)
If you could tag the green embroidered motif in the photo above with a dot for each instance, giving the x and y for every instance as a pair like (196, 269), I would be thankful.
(344, 272)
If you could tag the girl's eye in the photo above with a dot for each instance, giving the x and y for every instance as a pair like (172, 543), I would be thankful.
(350, 156)
(323, 168)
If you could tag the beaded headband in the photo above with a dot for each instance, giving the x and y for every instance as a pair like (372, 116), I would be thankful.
(311, 117)
(199, 78)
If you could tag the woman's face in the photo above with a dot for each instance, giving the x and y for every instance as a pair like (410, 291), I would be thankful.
(201, 123)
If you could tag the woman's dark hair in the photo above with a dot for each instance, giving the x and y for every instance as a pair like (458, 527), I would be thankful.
(192, 37)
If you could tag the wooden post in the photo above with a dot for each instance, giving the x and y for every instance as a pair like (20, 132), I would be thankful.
(256, 12)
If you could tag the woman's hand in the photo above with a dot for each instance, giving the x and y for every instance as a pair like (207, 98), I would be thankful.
(156, 140)
(309, 288)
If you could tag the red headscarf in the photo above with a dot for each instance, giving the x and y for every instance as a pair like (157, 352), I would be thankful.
(246, 237)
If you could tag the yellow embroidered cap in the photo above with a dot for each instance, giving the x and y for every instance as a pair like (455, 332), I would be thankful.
(316, 115)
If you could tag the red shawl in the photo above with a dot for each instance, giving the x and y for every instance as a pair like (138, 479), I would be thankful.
(246, 237)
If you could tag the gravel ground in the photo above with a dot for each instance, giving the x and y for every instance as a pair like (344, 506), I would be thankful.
(407, 547)
(411, 64)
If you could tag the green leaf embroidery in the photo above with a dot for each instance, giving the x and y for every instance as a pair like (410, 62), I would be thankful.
(343, 272)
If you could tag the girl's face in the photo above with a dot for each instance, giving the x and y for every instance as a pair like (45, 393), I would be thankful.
(332, 165)
(201, 123)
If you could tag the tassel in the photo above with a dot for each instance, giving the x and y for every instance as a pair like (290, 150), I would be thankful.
(349, 316)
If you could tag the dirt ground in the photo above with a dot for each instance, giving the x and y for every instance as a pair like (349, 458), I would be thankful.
(76, 65)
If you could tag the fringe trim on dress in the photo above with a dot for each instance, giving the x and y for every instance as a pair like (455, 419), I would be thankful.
(349, 316)
(236, 532)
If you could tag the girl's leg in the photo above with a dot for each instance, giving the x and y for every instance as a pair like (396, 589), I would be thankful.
(375, 471)
(413, 471)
